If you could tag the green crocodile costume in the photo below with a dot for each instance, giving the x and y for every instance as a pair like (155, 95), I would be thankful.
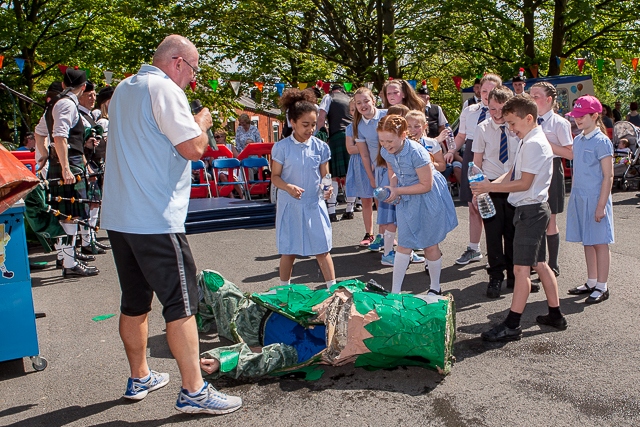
(293, 327)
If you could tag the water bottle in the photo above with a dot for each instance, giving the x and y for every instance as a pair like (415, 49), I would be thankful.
(326, 183)
(485, 204)
(383, 193)
(451, 142)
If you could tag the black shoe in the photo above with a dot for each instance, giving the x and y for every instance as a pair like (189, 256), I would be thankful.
(104, 246)
(333, 218)
(80, 270)
(535, 288)
(560, 323)
(82, 257)
(493, 290)
(556, 271)
(601, 297)
(59, 263)
(346, 215)
(434, 292)
(92, 250)
(358, 208)
(578, 291)
(502, 333)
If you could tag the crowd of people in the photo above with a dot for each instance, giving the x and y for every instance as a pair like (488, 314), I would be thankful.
(515, 137)
(394, 154)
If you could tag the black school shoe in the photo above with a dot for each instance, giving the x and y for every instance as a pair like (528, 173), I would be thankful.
(493, 289)
(80, 270)
(83, 257)
(333, 217)
(346, 215)
(104, 246)
(578, 291)
(559, 323)
(603, 296)
(535, 287)
(502, 333)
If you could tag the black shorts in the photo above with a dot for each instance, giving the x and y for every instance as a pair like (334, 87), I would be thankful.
(557, 190)
(160, 263)
(529, 241)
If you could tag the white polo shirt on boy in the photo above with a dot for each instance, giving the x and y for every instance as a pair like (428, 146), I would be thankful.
(534, 156)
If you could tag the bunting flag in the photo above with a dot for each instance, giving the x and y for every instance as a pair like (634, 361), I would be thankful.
(349, 86)
(259, 85)
(458, 81)
(19, 63)
(479, 76)
(413, 83)
(319, 84)
(193, 85)
(87, 72)
(562, 61)
(235, 85)
(279, 88)
(42, 64)
(1, 60)
(326, 87)
(534, 71)
(62, 68)
(581, 62)
(435, 81)
(369, 85)
(618, 64)
(127, 75)
(108, 77)
(634, 63)
(213, 84)
(302, 86)
(600, 64)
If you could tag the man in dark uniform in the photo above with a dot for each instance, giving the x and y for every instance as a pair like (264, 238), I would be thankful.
(66, 164)
(435, 117)
(518, 83)
(94, 156)
(334, 111)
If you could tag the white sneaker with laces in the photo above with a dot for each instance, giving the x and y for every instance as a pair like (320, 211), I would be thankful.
(208, 401)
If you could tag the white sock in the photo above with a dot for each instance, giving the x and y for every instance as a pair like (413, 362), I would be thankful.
(330, 283)
(475, 246)
(389, 237)
(351, 201)
(93, 216)
(400, 265)
(435, 267)
(85, 235)
(591, 283)
(68, 256)
(58, 248)
(285, 282)
(602, 286)
(331, 203)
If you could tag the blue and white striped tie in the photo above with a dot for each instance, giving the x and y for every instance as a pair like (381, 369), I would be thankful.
(504, 147)
(483, 115)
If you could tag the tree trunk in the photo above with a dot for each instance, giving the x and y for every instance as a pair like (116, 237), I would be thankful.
(557, 38)
(528, 15)
(389, 40)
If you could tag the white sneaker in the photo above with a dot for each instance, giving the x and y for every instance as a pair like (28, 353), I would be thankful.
(208, 401)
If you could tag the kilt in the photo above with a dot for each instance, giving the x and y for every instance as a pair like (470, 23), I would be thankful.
(77, 190)
(339, 161)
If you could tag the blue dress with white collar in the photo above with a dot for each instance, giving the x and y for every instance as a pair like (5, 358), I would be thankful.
(423, 219)
(586, 180)
(302, 225)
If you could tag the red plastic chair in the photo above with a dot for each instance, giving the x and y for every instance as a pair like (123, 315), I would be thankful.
(27, 158)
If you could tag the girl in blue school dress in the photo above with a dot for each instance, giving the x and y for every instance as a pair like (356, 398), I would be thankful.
(590, 211)
(425, 212)
(299, 163)
(365, 122)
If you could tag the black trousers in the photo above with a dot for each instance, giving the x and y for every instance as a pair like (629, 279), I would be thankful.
(499, 231)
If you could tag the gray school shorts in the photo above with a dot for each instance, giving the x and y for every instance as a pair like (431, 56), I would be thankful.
(530, 241)
(557, 189)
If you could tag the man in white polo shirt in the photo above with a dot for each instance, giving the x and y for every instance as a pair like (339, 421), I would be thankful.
(152, 138)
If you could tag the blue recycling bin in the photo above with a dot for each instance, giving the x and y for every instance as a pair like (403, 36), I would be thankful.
(18, 335)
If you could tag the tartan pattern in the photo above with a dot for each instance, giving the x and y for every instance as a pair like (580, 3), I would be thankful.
(339, 161)
(77, 190)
